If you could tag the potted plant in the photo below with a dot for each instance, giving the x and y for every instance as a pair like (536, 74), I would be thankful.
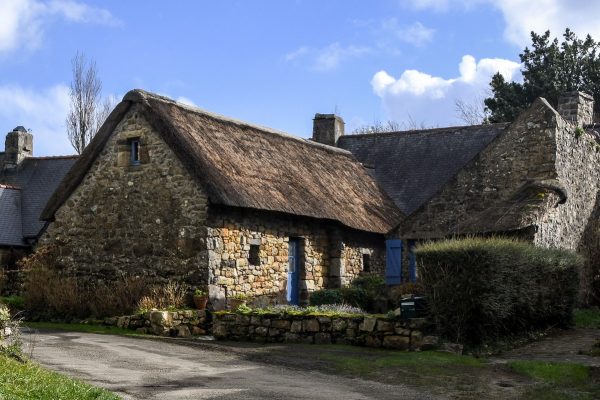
(237, 300)
(200, 299)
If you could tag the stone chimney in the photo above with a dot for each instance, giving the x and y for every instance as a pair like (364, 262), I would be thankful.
(327, 128)
(576, 107)
(18, 146)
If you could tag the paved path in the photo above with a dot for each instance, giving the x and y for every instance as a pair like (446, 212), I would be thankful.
(562, 346)
(162, 369)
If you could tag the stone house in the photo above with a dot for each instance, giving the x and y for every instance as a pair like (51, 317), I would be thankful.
(26, 184)
(168, 191)
(536, 178)
(173, 192)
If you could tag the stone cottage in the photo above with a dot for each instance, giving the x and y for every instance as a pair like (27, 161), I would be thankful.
(536, 179)
(168, 191)
(26, 184)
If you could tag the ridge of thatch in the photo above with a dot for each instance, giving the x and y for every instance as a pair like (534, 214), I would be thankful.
(249, 166)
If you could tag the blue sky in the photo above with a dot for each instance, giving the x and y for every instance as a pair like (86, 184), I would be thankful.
(271, 62)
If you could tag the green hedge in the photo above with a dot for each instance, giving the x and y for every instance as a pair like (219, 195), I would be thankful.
(483, 288)
(364, 292)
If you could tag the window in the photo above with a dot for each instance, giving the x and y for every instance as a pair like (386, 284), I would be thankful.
(254, 255)
(366, 262)
(134, 148)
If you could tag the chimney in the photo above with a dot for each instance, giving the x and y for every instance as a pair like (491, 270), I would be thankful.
(576, 107)
(327, 128)
(18, 146)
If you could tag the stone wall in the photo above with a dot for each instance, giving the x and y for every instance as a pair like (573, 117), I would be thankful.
(11, 278)
(141, 220)
(233, 232)
(183, 323)
(362, 331)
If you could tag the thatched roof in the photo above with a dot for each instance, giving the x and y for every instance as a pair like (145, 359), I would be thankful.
(412, 166)
(244, 165)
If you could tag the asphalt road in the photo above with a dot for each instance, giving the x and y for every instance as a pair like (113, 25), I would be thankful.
(164, 369)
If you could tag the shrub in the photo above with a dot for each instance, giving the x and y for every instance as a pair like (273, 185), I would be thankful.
(11, 343)
(325, 296)
(171, 296)
(483, 288)
(364, 292)
(48, 294)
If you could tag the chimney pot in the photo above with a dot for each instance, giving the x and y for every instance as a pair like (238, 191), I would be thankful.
(576, 107)
(327, 129)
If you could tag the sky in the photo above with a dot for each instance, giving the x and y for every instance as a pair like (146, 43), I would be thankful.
(272, 62)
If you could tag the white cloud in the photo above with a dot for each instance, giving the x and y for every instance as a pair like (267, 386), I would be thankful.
(331, 56)
(22, 22)
(431, 99)
(416, 34)
(327, 58)
(523, 16)
(43, 112)
(293, 55)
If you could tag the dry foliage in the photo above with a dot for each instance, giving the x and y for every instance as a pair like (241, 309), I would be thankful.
(49, 294)
(168, 297)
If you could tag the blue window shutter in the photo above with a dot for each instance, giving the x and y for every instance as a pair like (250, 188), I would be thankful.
(393, 262)
(412, 261)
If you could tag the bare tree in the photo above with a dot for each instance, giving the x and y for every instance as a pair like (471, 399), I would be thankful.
(391, 126)
(472, 113)
(87, 111)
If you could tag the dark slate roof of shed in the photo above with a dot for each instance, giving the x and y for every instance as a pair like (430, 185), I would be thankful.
(37, 178)
(10, 216)
(412, 166)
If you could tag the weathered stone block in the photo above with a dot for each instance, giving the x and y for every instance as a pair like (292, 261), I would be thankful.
(368, 324)
(183, 331)
(281, 324)
(396, 342)
(296, 326)
(291, 337)
(197, 331)
(162, 318)
(310, 325)
(372, 341)
(322, 338)
(261, 331)
(384, 326)
(339, 325)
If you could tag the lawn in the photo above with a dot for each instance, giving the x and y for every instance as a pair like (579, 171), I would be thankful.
(30, 381)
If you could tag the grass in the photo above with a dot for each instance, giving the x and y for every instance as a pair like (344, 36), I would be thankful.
(569, 374)
(587, 318)
(30, 381)
(14, 302)
(86, 328)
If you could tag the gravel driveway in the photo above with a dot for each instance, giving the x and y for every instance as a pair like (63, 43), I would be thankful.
(164, 369)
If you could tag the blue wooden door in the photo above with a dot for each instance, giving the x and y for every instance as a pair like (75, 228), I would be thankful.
(393, 262)
(293, 272)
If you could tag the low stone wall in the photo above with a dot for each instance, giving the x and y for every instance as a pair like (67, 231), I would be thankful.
(184, 323)
(362, 331)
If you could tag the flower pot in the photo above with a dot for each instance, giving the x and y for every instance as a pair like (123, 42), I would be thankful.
(235, 303)
(200, 302)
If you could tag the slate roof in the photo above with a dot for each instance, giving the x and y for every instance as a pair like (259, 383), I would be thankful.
(248, 166)
(412, 166)
(11, 233)
(37, 178)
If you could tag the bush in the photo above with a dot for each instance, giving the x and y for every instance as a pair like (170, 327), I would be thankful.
(168, 297)
(326, 296)
(482, 288)
(364, 292)
(10, 334)
(48, 294)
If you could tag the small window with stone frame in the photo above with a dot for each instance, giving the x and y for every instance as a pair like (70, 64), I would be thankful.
(134, 151)
(366, 262)
(254, 254)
